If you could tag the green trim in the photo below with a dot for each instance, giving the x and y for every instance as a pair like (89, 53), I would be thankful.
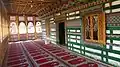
(94, 53)
(94, 47)
(114, 51)
(113, 38)
(102, 49)
(75, 43)
(115, 6)
(73, 27)
(113, 27)
(73, 34)
(112, 7)
(114, 58)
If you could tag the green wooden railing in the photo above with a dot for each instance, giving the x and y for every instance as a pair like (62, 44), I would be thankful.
(107, 54)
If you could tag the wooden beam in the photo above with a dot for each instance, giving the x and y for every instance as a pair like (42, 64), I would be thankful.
(22, 12)
(17, 14)
(29, 2)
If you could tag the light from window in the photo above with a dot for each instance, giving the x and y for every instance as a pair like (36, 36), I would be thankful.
(22, 28)
(38, 27)
(31, 27)
(13, 28)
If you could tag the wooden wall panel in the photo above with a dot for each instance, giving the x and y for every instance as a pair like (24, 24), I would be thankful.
(3, 31)
(0, 22)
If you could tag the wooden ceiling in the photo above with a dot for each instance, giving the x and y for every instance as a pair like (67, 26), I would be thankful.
(45, 8)
(31, 7)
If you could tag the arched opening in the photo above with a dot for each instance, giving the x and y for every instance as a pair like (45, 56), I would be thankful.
(22, 31)
(38, 29)
(31, 27)
(13, 28)
(22, 28)
(31, 30)
(13, 31)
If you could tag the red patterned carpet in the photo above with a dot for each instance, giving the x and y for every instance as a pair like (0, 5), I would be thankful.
(38, 54)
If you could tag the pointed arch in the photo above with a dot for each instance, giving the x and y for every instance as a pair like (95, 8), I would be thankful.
(13, 28)
(22, 28)
(31, 28)
(38, 27)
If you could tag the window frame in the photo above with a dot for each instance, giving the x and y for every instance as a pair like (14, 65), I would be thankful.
(101, 18)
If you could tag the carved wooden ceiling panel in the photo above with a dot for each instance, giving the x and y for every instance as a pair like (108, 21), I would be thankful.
(31, 7)
(47, 7)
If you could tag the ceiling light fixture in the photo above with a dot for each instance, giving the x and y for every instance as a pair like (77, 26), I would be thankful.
(31, 6)
(31, 1)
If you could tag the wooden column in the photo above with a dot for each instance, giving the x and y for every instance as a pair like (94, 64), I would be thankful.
(34, 21)
(26, 23)
(0, 24)
(17, 22)
(47, 23)
(8, 22)
(9, 31)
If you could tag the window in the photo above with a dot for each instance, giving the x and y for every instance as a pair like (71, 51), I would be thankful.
(94, 28)
(31, 27)
(38, 27)
(13, 28)
(22, 28)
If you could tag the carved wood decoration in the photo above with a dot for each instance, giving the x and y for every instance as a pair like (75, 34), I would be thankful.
(44, 8)
(30, 7)
(94, 28)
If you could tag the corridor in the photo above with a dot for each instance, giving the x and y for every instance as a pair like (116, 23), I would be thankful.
(59, 33)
